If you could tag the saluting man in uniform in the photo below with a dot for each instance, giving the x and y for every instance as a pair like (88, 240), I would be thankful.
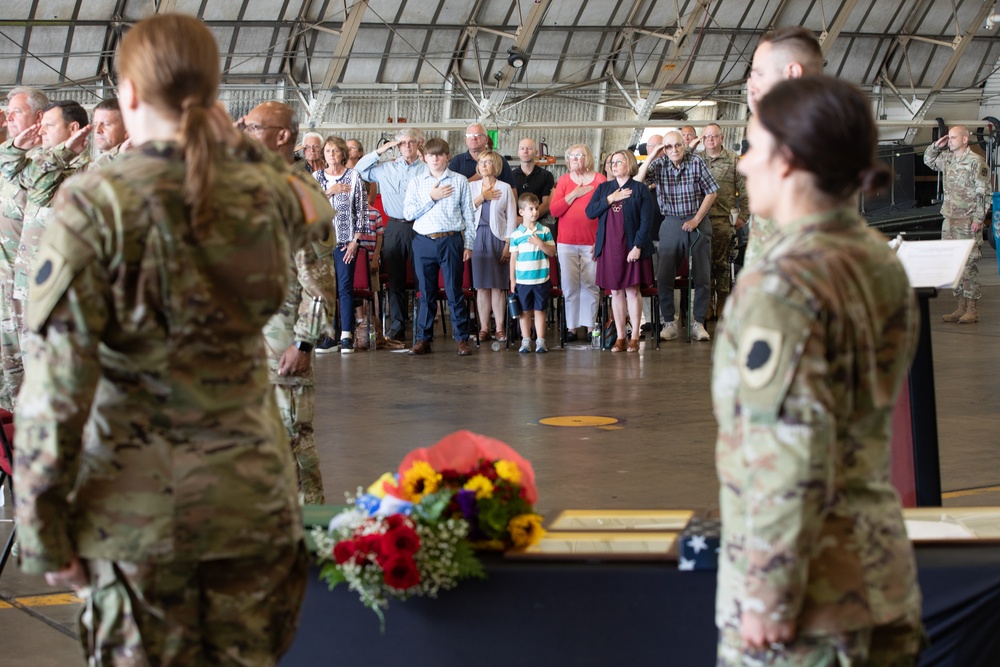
(966, 187)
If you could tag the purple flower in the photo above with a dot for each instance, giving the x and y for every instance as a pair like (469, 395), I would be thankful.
(467, 503)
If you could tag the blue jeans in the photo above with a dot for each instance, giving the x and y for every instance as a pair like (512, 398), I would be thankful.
(444, 255)
(345, 290)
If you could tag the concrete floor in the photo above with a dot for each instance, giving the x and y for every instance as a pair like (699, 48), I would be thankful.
(373, 408)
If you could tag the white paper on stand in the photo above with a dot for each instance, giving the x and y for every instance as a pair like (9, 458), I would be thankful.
(935, 263)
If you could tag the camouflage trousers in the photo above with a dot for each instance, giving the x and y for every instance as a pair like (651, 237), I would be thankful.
(11, 364)
(240, 611)
(961, 228)
(296, 404)
(722, 241)
(893, 645)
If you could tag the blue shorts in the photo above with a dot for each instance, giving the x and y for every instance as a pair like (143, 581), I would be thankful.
(534, 297)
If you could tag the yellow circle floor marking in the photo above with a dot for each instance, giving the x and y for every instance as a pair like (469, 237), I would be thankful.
(584, 420)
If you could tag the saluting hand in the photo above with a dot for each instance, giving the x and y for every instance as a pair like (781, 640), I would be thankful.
(942, 142)
(78, 140)
(29, 137)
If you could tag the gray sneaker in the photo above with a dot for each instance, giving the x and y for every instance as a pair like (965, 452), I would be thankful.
(698, 332)
(669, 331)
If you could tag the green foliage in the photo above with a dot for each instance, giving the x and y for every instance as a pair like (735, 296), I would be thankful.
(433, 505)
(332, 574)
(467, 563)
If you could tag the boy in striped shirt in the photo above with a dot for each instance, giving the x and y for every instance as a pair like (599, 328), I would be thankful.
(531, 245)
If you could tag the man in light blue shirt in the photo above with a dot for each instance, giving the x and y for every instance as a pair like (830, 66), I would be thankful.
(393, 176)
(440, 204)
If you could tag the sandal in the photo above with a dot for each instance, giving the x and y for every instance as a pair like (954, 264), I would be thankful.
(633, 345)
(619, 345)
(483, 336)
(501, 336)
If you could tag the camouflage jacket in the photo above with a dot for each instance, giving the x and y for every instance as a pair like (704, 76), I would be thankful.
(311, 276)
(731, 182)
(12, 193)
(43, 174)
(107, 156)
(966, 183)
(148, 431)
(762, 231)
(815, 343)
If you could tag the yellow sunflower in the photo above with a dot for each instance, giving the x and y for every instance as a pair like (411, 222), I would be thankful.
(526, 529)
(418, 481)
(481, 485)
(508, 470)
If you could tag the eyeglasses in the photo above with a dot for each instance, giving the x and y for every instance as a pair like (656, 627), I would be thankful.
(615, 163)
(711, 136)
(575, 156)
(254, 128)
(309, 147)
(474, 135)
(673, 147)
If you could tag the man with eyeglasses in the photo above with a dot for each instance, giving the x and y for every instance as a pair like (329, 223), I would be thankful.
(312, 151)
(24, 109)
(293, 332)
(722, 163)
(685, 191)
(467, 163)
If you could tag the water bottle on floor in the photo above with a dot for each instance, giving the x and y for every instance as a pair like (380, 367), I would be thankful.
(595, 337)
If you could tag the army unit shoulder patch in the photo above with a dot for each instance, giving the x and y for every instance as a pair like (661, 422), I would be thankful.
(759, 353)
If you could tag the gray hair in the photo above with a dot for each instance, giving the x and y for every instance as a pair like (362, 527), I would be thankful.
(411, 132)
(36, 99)
(313, 135)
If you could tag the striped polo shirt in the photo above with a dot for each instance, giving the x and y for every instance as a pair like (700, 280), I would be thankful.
(531, 264)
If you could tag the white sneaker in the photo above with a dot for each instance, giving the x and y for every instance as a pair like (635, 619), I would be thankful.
(698, 332)
(669, 331)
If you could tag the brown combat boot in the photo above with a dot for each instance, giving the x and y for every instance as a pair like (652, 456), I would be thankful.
(959, 311)
(971, 312)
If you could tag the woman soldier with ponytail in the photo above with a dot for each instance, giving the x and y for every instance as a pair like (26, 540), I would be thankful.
(813, 347)
(153, 472)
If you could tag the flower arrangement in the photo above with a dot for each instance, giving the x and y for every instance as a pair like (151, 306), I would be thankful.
(415, 533)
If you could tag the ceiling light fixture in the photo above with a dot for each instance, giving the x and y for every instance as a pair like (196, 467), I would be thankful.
(516, 57)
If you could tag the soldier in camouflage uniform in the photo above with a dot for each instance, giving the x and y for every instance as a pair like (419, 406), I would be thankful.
(153, 473)
(291, 334)
(110, 135)
(785, 53)
(722, 163)
(24, 109)
(815, 566)
(61, 139)
(966, 190)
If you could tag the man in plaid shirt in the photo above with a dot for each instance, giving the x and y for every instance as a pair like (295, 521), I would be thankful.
(685, 191)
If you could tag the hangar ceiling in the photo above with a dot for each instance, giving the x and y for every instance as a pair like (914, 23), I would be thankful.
(628, 55)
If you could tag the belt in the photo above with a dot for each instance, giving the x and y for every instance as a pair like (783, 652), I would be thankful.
(408, 222)
(440, 235)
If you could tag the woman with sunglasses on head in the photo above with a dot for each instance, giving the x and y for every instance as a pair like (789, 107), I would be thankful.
(815, 342)
(575, 246)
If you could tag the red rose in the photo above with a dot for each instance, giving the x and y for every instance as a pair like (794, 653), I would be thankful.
(401, 572)
(402, 540)
(395, 521)
(344, 551)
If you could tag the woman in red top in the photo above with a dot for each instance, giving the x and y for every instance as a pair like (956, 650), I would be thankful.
(575, 245)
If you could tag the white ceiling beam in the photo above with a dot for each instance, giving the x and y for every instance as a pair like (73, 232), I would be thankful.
(348, 33)
(829, 36)
(522, 40)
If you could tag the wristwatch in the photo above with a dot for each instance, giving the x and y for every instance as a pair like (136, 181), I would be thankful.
(303, 346)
